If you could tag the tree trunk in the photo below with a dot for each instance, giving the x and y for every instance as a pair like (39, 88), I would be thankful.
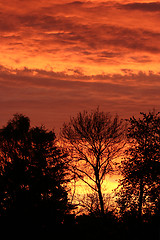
(99, 192)
(140, 199)
(100, 199)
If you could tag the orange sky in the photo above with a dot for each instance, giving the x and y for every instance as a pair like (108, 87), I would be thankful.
(61, 57)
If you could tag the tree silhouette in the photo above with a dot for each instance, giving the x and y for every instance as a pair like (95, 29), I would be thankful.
(94, 141)
(33, 173)
(89, 204)
(139, 190)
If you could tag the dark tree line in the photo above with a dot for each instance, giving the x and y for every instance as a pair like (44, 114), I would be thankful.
(33, 174)
(35, 170)
(139, 190)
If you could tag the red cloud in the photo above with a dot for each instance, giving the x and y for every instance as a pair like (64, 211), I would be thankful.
(82, 39)
(149, 7)
(40, 92)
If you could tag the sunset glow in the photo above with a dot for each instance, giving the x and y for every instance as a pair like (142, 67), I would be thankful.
(60, 57)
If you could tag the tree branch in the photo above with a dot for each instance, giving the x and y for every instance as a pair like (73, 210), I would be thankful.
(85, 174)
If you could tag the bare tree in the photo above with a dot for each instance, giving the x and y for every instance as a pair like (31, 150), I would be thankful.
(89, 203)
(94, 141)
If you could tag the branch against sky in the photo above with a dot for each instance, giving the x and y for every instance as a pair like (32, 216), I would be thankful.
(94, 140)
(139, 189)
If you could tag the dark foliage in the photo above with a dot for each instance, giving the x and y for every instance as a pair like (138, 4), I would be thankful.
(139, 190)
(35, 171)
(33, 175)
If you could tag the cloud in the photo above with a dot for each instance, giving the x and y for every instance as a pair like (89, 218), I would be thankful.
(75, 33)
(145, 7)
(50, 97)
(73, 78)
(33, 84)
(45, 29)
(77, 41)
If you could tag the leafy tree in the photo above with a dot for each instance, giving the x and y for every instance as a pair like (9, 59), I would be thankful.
(94, 141)
(139, 189)
(33, 172)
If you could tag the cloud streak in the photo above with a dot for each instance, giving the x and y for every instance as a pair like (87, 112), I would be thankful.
(144, 7)
(69, 29)
(72, 55)
(39, 90)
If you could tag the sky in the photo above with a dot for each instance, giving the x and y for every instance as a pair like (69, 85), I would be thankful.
(61, 57)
